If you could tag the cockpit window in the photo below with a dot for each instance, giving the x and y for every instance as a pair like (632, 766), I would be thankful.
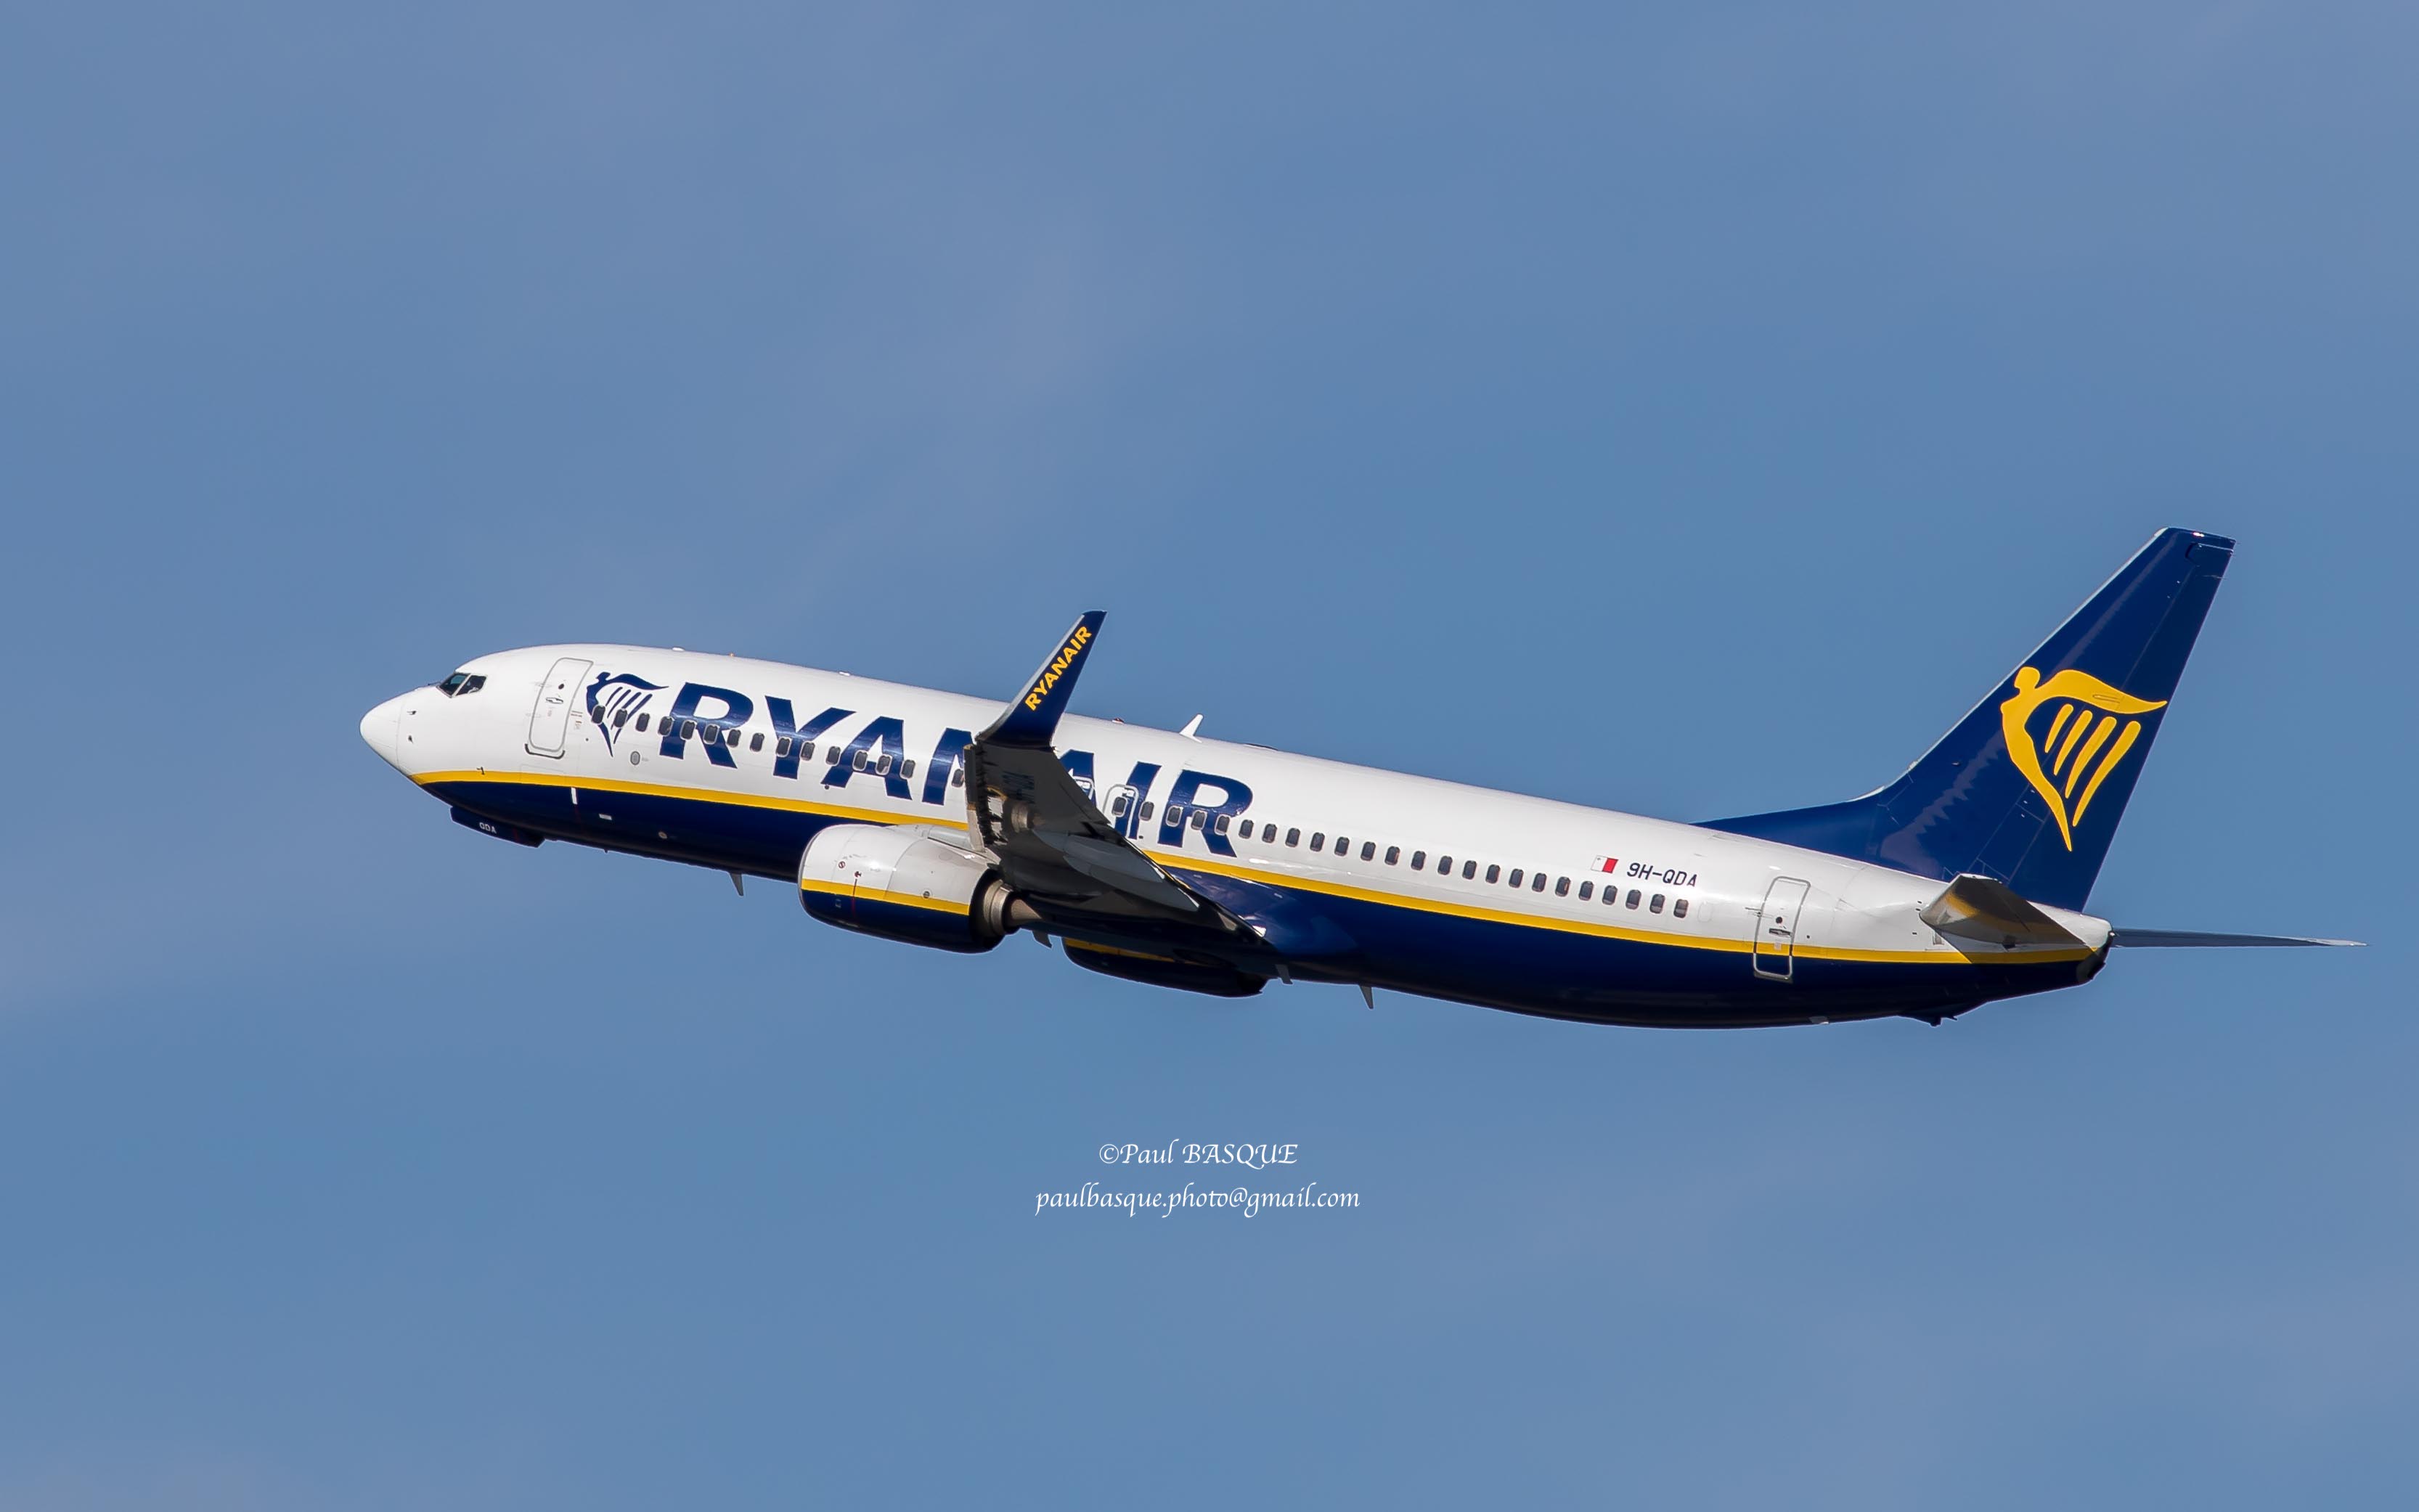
(461, 683)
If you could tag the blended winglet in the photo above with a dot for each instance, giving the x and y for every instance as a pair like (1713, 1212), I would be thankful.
(1033, 719)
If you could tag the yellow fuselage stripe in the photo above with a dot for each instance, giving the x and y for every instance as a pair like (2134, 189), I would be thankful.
(651, 790)
(1185, 861)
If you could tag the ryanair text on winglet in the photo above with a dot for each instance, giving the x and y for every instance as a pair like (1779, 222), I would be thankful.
(1058, 665)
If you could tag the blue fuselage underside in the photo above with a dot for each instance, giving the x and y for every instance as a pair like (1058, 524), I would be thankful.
(1537, 970)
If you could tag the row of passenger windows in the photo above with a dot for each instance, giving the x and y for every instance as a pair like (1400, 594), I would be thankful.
(1197, 819)
(1392, 856)
(711, 733)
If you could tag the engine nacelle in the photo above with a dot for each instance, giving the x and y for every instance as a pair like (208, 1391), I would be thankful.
(901, 885)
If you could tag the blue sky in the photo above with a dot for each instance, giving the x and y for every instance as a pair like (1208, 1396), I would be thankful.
(1691, 413)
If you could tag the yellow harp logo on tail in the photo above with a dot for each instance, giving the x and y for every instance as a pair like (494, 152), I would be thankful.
(2088, 734)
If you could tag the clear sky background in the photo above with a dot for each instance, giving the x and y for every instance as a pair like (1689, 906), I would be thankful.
(1690, 413)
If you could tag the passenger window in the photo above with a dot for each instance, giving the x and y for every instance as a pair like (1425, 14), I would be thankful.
(907, 767)
(1200, 817)
(1633, 897)
(1420, 860)
(1226, 822)
(1656, 906)
(1343, 846)
(1538, 883)
(1516, 875)
(642, 724)
(831, 756)
(1293, 836)
(1393, 854)
(1562, 887)
(1247, 828)
(957, 777)
(1368, 850)
(1587, 890)
(688, 729)
(1492, 872)
(1469, 870)
(1679, 908)
(1147, 806)
(781, 747)
(1611, 896)
(1318, 840)
(756, 742)
(1118, 805)
(621, 718)
(857, 761)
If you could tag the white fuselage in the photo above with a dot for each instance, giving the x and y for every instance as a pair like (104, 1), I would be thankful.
(1607, 874)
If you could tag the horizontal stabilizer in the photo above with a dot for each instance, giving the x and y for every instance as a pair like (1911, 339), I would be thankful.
(2173, 939)
(1991, 913)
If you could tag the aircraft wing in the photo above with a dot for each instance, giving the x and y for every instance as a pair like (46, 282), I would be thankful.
(1055, 847)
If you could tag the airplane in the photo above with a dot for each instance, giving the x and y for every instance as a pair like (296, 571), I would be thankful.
(1168, 857)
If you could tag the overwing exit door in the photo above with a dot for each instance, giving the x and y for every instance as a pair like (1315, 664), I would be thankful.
(550, 718)
(1775, 929)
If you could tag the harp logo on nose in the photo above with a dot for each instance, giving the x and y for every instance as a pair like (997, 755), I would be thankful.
(2091, 726)
(613, 698)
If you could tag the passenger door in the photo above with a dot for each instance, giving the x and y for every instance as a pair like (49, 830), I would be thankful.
(550, 718)
(1775, 929)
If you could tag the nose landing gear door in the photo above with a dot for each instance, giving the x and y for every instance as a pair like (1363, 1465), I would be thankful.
(1775, 929)
(550, 718)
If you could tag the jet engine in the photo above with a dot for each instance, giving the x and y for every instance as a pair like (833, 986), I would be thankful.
(902, 884)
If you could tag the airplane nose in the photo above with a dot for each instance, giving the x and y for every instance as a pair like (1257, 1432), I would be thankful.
(381, 731)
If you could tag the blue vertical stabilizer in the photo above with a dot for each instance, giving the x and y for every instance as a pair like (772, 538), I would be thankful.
(2028, 788)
